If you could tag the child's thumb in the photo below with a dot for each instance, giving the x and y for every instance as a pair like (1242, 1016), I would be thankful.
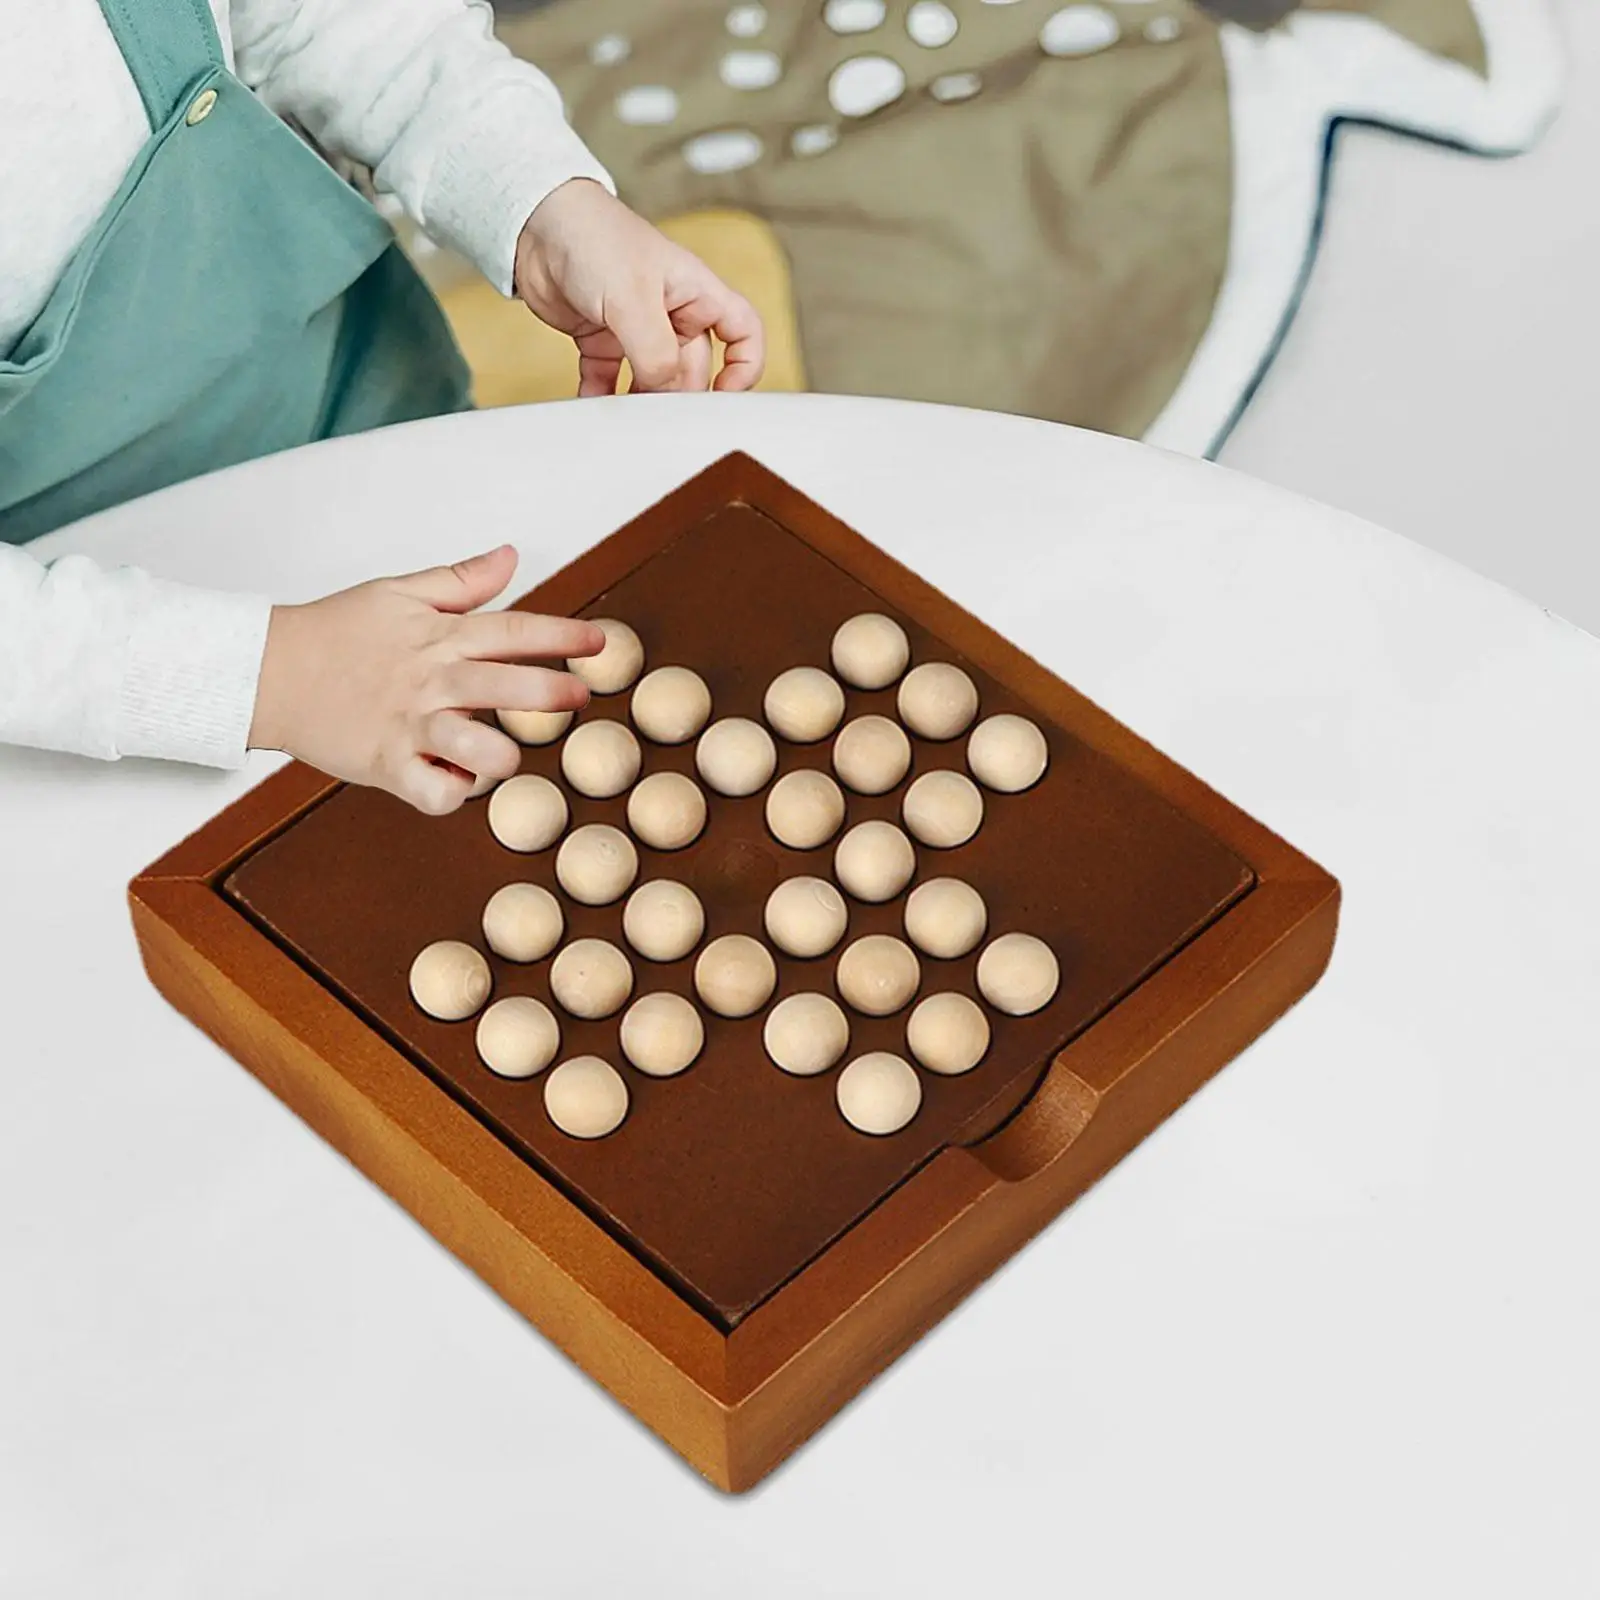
(464, 585)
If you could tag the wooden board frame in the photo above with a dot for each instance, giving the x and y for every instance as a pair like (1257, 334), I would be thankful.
(736, 1404)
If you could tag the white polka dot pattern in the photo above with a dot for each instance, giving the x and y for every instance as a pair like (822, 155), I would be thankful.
(865, 84)
(649, 105)
(1079, 31)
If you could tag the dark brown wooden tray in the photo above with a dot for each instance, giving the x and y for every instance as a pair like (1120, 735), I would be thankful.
(735, 1260)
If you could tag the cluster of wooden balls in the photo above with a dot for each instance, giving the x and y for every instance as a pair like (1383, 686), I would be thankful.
(806, 917)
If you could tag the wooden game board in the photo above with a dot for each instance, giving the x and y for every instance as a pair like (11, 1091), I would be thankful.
(735, 1261)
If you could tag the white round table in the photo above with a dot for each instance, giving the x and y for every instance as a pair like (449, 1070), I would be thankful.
(1332, 1330)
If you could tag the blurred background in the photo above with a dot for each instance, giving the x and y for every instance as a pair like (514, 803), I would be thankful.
(1442, 376)
(1438, 374)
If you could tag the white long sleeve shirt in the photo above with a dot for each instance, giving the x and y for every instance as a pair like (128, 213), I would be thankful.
(469, 139)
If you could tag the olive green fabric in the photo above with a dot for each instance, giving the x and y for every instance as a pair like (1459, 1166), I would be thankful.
(236, 298)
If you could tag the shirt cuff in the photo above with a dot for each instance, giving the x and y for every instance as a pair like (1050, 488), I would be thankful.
(189, 681)
(488, 181)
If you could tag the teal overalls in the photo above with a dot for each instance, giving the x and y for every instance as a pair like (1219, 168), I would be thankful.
(236, 297)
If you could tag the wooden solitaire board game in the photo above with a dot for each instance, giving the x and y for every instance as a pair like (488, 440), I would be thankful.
(736, 1259)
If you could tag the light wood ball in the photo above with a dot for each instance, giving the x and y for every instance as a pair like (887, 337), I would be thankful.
(870, 651)
(938, 700)
(667, 811)
(879, 1093)
(872, 754)
(735, 975)
(671, 705)
(736, 757)
(518, 1037)
(586, 1098)
(617, 665)
(450, 980)
(806, 1034)
(591, 979)
(943, 810)
(1007, 753)
(805, 809)
(597, 864)
(946, 918)
(663, 920)
(804, 704)
(523, 922)
(1018, 974)
(662, 1035)
(874, 861)
(878, 975)
(948, 1034)
(527, 813)
(806, 917)
(601, 758)
(535, 727)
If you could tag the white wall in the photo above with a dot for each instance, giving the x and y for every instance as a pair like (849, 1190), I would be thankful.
(1443, 376)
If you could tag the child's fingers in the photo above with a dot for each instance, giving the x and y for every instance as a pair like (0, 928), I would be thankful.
(472, 746)
(497, 686)
(696, 360)
(597, 376)
(525, 635)
(463, 586)
(639, 319)
(433, 789)
(744, 357)
(599, 363)
(715, 308)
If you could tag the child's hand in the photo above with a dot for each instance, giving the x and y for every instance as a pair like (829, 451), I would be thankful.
(376, 684)
(592, 268)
